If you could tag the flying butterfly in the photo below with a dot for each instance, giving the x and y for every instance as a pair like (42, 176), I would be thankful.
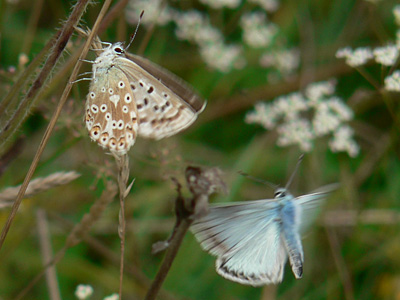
(253, 239)
(131, 96)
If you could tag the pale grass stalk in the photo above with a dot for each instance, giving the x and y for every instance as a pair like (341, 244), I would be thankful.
(47, 254)
(38, 185)
(123, 177)
(269, 292)
(70, 24)
(78, 233)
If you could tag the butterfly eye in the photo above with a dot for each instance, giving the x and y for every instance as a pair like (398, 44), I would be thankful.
(119, 50)
(280, 194)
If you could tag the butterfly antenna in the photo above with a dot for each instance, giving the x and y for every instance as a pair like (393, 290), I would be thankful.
(136, 30)
(294, 172)
(270, 184)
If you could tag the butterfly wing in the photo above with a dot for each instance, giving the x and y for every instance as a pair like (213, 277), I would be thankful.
(111, 116)
(165, 103)
(246, 239)
(311, 203)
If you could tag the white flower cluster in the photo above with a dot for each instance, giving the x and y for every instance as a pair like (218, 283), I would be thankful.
(343, 141)
(387, 56)
(216, 4)
(267, 5)
(392, 82)
(112, 297)
(83, 291)
(288, 115)
(286, 61)
(396, 13)
(194, 26)
(356, 57)
(257, 32)
(154, 13)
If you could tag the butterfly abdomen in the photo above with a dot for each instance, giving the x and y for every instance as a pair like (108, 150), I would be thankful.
(290, 214)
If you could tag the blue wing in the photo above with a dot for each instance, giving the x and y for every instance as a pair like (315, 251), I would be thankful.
(246, 238)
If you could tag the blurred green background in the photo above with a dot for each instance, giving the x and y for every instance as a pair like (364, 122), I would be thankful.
(351, 252)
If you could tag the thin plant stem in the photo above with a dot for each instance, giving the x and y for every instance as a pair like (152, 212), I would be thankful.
(170, 255)
(47, 253)
(123, 177)
(77, 12)
(30, 98)
(202, 183)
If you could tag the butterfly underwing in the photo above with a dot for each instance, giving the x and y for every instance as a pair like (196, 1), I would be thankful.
(131, 96)
(253, 239)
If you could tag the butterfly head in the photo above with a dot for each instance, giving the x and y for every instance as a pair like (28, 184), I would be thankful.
(109, 54)
(281, 193)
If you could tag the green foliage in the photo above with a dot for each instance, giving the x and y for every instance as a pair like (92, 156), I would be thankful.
(355, 260)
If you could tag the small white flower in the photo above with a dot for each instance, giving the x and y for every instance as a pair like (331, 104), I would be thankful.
(262, 115)
(327, 113)
(343, 141)
(256, 31)
(398, 39)
(355, 58)
(324, 121)
(195, 26)
(392, 82)
(114, 296)
(396, 13)
(318, 90)
(297, 131)
(267, 5)
(221, 57)
(387, 55)
(83, 291)
(343, 112)
(216, 4)
(155, 13)
(285, 61)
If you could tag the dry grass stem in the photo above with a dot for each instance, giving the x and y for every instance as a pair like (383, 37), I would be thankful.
(47, 254)
(123, 177)
(38, 185)
(77, 12)
(28, 101)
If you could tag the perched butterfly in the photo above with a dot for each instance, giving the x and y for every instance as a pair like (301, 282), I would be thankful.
(253, 239)
(131, 96)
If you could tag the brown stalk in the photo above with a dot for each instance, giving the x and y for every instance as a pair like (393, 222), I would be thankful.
(47, 254)
(31, 96)
(123, 177)
(60, 44)
(202, 183)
